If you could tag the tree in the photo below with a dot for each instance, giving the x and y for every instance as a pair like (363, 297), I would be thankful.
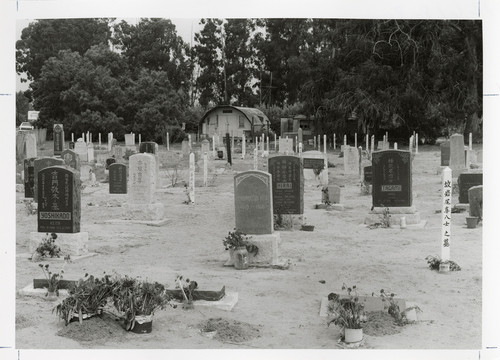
(43, 39)
(22, 107)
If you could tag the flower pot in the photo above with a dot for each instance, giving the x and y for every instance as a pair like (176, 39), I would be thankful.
(143, 324)
(241, 258)
(353, 335)
(472, 221)
(51, 296)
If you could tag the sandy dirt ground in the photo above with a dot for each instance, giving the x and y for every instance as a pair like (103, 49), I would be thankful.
(280, 308)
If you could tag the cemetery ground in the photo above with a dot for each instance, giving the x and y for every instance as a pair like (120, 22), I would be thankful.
(276, 308)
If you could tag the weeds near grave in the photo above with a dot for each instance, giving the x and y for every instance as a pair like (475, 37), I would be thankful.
(188, 195)
(435, 261)
(325, 198)
(30, 207)
(173, 175)
(317, 169)
(365, 188)
(52, 279)
(187, 287)
(128, 153)
(213, 179)
(392, 307)
(236, 239)
(48, 247)
(385, 220)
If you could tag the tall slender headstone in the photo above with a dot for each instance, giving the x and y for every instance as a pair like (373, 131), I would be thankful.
(191, 175)
(58, 139)
(150, 147)
(228, 150)
(287, 184)
(334, 142)
(457, 154)
(117, 178)
(445, 153)
(446, 214)
(243, 146)
(255, 159)
(351, 160)
(205, 169)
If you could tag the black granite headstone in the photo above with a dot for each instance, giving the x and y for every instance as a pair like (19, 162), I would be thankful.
(148, 147)
(29, 177)
(59, 204)
(288, 184)
(368, 174)
(392, 182)
(117, 178)
(465, 182)
(311, 163)
(58, 136)
(109, 161)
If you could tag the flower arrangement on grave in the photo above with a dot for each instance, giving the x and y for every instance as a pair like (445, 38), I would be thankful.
(52, 280)
(138, 300)
(86, 298)
(435, 261)
(236, 239)
(392, 307)
(346, 312)
(187, 287)
(47, 248)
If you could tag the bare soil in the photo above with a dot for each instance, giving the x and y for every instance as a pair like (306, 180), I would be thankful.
(277, 309)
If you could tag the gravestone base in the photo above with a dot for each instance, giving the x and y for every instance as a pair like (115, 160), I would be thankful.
(74, 244)
(268, 254)
(338, 207)
(462, 206)
(411, 215)
(144, 211)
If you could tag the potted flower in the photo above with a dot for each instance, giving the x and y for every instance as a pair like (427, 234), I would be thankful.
(239, 248)
(52, 281)
(138, 300)
(187, 287)
(348, 313)
(86, 298)
(47, 248)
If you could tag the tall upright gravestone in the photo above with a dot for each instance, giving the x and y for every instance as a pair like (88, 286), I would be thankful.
(150, 147)
(445, 153)
(392, 180)
(141, 193)
(59, 209)
(117, 178)
(287, 184)
(457, 154)
(29, 177)
(253, 203)
(59, 200)
(58, 136)
(71, 159)
(40, 164)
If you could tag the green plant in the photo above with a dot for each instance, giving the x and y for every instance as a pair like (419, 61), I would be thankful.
(128, 153)
(435, 261)
(365, 188)
(317, 169)
(348, 311)
(385, 220)
(133, 298)
(325, 197)
(236, 239)
(31, 209)
(52, 279)
(392, 307)
(47, 247)
(173, 174)
(86, 297)
(188, 195)
(187, 287)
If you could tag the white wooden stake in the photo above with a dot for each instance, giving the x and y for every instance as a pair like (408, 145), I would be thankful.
(205, 169)
(446, 214)
(191, 177)
(255, 159)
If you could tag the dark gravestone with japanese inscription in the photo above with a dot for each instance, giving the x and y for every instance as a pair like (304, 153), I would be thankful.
(117, 178)
(59, 200)
(253, 202)
(288, 184)
(368, 174)
(29, 177)
(465, 182)
(445, 153)
(71, 159)
(58, 136)
(40, 164)
(392, 183)
(149, 147)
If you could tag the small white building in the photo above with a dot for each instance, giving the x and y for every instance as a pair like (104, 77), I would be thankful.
(234, 120)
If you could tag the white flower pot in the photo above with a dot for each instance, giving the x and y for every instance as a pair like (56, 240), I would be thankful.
(353, 335)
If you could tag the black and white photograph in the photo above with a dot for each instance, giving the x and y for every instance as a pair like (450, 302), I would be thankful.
(251, 176)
